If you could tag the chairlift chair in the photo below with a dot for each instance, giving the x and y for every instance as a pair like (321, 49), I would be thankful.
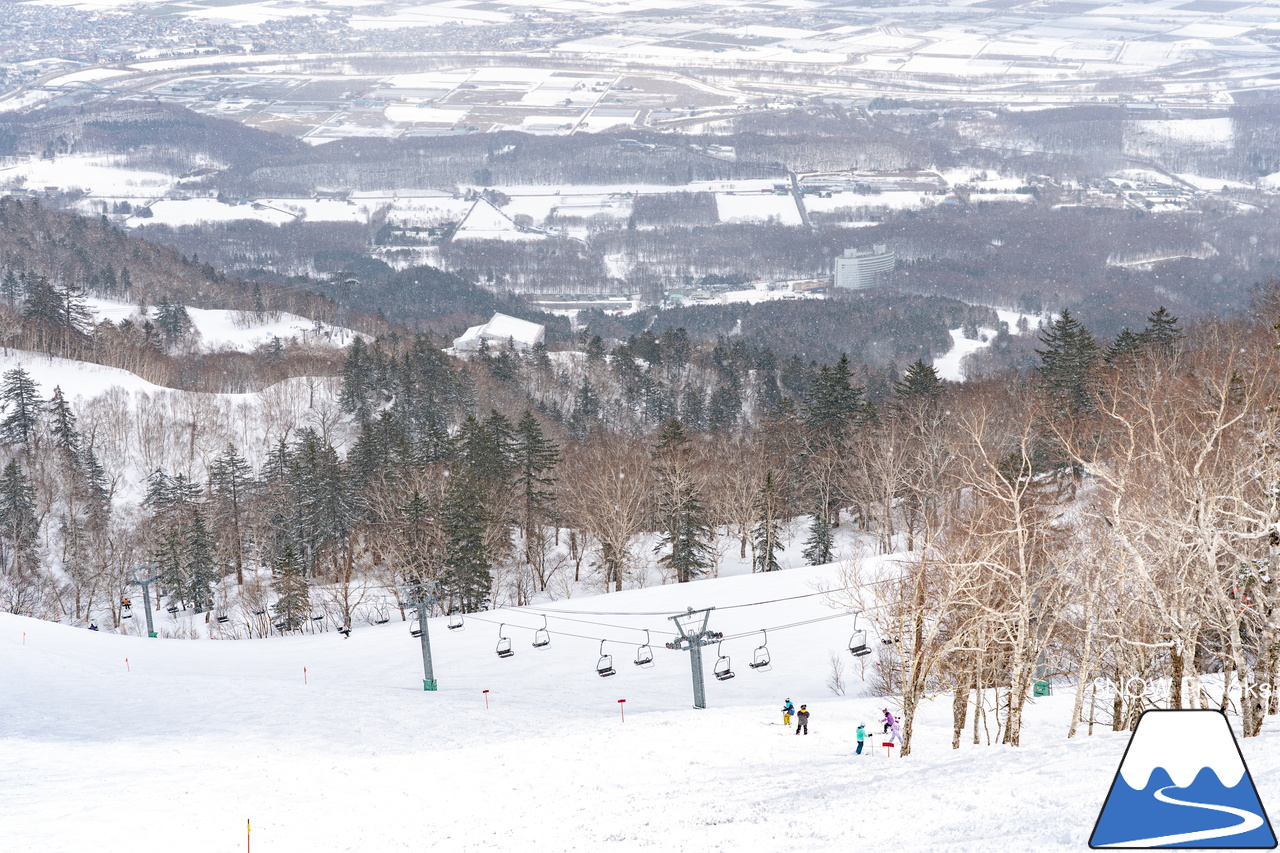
(542, 637)
(415, 628)
(604, 666)
(317, 618)
(222, 617)
(382, 621)
(644, 654)
(126, 609)
(761, 662)
(722, 669)
(503, 648)
(858, 642)
(172, 608)
(455, 621)
(260, 613)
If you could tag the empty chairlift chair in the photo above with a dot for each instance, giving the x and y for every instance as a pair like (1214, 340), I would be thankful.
(644, 654)
(223, 618)
(722, 669)
(858, 642)
(455, 621)
(604, 666)
(415, 628)
(503, 649)
(541, 636)
(761, 662)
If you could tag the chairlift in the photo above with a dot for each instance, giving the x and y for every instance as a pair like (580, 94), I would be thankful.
(604, 666)
(382, 621)
(172, 608)
(415, 627)
(455, 621)
(222, 617)
(542, 637)
(317, 618)
(126, 609)
(858, 642)
(504, 649)
(644, 654)
(722, 669)
(761, 660)
(260, 613)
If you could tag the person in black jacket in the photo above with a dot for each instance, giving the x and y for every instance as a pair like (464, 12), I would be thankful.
(802, 720)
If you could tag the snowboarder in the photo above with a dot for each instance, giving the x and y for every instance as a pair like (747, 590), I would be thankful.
(802, 720)
(888, 720)
(345, 631)
(787, 710)
(92, 626)
(862, 736)
(896, 735)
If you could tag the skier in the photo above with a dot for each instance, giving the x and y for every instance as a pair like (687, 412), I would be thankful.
(862, 736)
(787, 710)
(802, 720)
(345, 631)
(888, 721)
(93, 626)
(896, 736)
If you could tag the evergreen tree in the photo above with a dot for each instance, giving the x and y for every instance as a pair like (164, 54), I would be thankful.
(22, 406)
(357, 382)
(818, 547)
(172, 320)
(586, 411)
(19, 527)
(1066, 364)
(832, 400)
(468, 572)
(293, 595)
(1124, 349)
(725, 406)
(169, 558)
(199, 568)
(43, 304)
(1162, 332)
(768, 528)
(535, 456)
(230, 481)
(686, 529)
(63, 424)
(921, 380)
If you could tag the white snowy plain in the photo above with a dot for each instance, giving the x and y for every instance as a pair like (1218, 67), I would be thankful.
(111, 742)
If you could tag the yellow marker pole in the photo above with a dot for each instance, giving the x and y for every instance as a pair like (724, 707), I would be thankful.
(246, 835)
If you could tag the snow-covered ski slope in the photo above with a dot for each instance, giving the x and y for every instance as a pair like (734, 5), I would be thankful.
(176, 749)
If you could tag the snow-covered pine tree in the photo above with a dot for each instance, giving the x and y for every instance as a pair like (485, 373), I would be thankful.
(18, 395)
(817, 548)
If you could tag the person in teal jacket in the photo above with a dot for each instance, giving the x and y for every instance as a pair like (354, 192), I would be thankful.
(787, 710)
(862, 736)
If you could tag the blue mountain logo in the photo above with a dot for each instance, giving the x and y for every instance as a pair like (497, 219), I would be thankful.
(1183, 783)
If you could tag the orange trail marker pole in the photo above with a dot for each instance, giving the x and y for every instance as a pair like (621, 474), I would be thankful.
(126, 665)
(304, 675)
(486, 699)
(622, 706)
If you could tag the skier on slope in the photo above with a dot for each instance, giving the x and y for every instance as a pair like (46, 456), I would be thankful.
(802, 720)
(787, 710)
(896, 735)
(862, 736)
(888, 721)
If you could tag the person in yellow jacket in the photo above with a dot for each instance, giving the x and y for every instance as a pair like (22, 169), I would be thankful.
(787, 710)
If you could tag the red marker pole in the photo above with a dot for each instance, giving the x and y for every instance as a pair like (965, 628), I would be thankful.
(126, 665)
(622, 706)
(486, 699)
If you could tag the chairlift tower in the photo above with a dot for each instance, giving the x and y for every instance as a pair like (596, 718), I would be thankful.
(145, 583)
(421, 596)
(692, 625)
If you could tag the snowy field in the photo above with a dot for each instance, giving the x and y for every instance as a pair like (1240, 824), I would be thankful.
(115, 742)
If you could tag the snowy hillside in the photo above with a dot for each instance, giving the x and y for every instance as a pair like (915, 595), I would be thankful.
(112, 742)
(242, 331)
